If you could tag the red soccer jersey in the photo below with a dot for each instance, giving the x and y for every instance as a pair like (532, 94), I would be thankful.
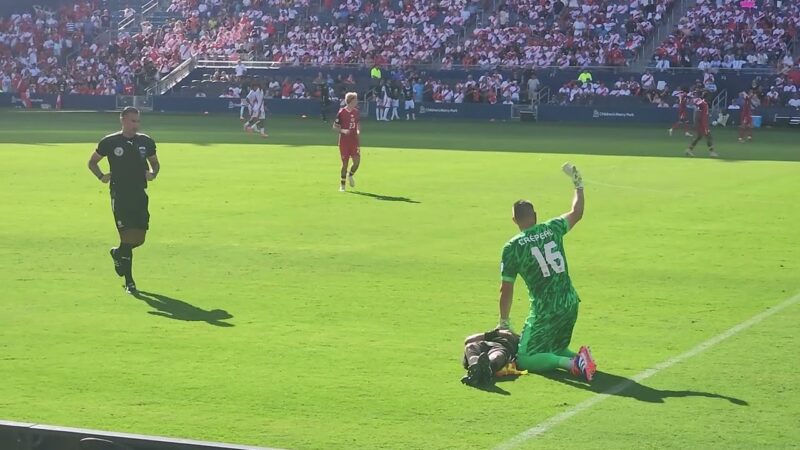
(747, 106)
(683, 99)
(348, 120)
(702, 116)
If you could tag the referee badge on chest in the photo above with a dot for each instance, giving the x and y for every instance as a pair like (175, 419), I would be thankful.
(119, 151)
(143, 151)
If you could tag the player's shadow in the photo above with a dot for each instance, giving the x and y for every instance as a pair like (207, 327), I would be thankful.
(491, 388)
(385, 198)
(607, 383)
(172, 308)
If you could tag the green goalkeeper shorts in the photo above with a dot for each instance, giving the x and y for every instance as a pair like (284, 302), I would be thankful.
(549, 332)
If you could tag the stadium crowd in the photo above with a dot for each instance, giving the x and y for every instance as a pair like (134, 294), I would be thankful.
(47, 51)
(732, 34)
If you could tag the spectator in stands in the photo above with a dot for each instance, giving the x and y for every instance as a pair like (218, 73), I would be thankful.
(662, 64)
(709, 82)
(773, 97)
(228, 94)
(298, 89)
(286, 89)
(240, 70)
(273, 89)
(794, 102)
(648, 81)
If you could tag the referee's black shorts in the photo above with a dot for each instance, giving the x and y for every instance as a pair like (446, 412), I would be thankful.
(130, 209)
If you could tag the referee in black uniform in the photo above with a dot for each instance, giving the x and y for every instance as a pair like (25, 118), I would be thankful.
(128, 153)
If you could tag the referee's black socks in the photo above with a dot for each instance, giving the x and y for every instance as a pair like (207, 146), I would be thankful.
(125, 254)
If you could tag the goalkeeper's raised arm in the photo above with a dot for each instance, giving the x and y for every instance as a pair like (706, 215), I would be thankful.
(576, 213)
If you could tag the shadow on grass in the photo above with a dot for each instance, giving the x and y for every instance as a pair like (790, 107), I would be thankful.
(172, 308)
(385, 198)
(607, 383)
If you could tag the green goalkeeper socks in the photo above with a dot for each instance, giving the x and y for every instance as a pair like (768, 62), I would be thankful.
(566, 352)
(543, 362)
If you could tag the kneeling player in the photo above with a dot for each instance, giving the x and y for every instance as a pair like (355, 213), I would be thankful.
(486, 353)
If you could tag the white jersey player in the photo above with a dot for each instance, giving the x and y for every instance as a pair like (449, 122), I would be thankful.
(258, 111)
(395, 104)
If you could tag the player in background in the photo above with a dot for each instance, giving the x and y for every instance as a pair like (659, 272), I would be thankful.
(395, 104)
(408, 95)
(703, 129)
(348, 124)
(258, 111)
(387, 103)
(746, 126)
(683, 113)
(244, 107)
(378, 96)
(129, 154)
(537, 255)
(324, 101)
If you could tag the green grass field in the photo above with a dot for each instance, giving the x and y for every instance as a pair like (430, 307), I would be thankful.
(349, 310)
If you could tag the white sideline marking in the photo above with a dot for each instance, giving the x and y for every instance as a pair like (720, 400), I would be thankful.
(545, 426)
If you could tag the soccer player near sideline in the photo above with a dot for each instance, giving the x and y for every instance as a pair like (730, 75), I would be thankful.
(537, 255)
(746, 127)
(243, 103)
(348, 124)
(683, 114)
(128, 153)
(395, 104)
(703, 129)
(258, 111)
(408, 106)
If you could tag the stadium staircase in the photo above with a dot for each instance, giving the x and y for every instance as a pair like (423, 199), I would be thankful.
(645, 55)
(531, 110)
(719, 104)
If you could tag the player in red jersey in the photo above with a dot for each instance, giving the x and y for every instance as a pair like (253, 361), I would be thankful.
(349, 126)
(683, 114)
(746, 127)
(702, 127)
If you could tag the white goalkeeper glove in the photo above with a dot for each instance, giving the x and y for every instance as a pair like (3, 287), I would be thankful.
(573, 173)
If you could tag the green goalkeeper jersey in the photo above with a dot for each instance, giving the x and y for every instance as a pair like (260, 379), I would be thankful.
(537, 255)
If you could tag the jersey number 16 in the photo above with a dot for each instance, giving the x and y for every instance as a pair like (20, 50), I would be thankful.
(552, 258)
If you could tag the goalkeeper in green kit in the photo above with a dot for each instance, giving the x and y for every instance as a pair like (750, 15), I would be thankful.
(537, 255)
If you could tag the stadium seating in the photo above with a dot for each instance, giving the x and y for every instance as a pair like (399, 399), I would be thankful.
(726, 34)
(52, 48)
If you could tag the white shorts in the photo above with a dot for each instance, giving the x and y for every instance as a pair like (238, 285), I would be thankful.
(259, 114)
(395, 103)
(409, 104)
